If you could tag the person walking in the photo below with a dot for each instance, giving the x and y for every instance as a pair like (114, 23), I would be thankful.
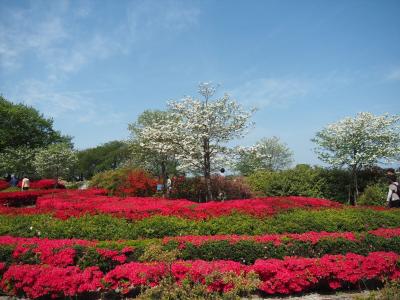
(25, 184)
(393, 199)
(13, 180)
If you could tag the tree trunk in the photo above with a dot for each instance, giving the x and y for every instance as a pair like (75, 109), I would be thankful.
(207, 169)
(164, 177)
(353, 200)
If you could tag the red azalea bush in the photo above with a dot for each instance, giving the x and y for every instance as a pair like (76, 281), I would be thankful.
(223, 188)
(137, 183)
(290, 275)
(3, 185)
(44, 184)
(23, 198)
(76, 203)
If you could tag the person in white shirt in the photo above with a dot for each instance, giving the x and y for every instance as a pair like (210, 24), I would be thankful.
(25, 184)
(393, 199)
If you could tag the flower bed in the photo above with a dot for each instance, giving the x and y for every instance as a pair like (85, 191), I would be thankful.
(291, 275)
(77, 203)
(23, 198)
(3, 185)
(103, 227)
(108, 254)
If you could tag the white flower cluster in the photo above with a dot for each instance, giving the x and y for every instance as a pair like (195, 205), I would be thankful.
(361, 141)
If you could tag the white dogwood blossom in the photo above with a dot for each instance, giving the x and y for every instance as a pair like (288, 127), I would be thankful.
(198, 131)
(55, 160)
(266, 154)
(359, 142)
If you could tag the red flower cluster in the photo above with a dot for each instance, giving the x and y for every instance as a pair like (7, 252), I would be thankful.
(47, 184)
(23, 198)
(75, 203)
(293, 275)
(386, 232)
(138, 183)
(3, 185)
(290, 275)
(41, 280)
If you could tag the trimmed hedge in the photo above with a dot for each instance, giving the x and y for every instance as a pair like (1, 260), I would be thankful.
(243, 251)
(104, 227)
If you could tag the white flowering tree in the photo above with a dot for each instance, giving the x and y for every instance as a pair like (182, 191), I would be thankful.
(17, 161)
(267, 154)
(359, 142)
(199, 130)
(55, 160)
(147, 152)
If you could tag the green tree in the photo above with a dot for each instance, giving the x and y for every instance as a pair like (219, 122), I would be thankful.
(55, 160)
(108, 156)
(21, 125)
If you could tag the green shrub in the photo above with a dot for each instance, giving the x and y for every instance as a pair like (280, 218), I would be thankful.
(105, 227)
(125, 182)
(110, 180)
(302, 180)
(374, 195)
(222, 188)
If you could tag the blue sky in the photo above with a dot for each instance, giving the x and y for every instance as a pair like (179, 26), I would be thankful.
(94, 66)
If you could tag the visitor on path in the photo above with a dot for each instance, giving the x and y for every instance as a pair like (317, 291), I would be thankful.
(169, 186)
(13, 180)
(25, 184)
(393, 199)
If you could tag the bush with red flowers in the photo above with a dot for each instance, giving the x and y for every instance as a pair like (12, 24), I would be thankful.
(137, 183)
(4, 185)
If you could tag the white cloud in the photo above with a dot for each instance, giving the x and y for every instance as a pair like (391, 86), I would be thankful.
(80, 106)
(49, 32)
(264, 92)
(284, 91)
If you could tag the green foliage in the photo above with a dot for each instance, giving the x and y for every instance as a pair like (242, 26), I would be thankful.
(374, 195)
(110, 180)
(195, 189)
(21, 125)
(125, 182)
(105, 227)
(302, 180)
(108, 156)
(243, 285)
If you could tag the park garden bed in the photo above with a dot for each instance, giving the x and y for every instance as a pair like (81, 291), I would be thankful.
(87, 244)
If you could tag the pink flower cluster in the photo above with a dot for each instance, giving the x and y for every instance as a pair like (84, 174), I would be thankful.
(76, 203)
(59, 253)
(290, 275)
(276, 239)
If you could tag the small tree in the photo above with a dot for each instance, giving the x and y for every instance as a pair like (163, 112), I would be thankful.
(199, 130)
(359, 142)
(147, 153)
(267, 154)
(54, 161)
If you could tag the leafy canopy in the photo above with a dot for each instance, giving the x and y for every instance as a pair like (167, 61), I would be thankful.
(24, 126)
